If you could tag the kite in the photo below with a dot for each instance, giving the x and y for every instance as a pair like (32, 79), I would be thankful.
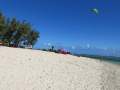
(95, 11)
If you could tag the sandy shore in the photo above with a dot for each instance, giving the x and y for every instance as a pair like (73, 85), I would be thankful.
(22, 69)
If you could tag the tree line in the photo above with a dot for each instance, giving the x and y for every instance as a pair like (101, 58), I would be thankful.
(15, 32)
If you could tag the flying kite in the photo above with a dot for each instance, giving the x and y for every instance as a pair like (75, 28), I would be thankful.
(95, 11)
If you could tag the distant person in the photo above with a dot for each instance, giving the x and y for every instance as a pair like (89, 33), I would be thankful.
(52, 48)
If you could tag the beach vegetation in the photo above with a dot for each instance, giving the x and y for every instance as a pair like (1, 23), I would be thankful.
(16, 32)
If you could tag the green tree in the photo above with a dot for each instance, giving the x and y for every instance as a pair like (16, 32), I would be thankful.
(2, 25)
(13, 31)
(12, 28)
(32, 37)
(22, 32)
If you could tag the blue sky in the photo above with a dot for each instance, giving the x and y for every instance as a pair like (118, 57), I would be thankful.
(69, 22)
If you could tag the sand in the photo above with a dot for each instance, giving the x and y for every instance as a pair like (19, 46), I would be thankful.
(23, 69)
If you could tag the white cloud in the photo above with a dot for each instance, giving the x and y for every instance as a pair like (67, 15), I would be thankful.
(49, 44)
(73, 47)
(88, 45)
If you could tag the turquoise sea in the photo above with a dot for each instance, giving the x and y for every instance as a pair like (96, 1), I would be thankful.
(111, 59)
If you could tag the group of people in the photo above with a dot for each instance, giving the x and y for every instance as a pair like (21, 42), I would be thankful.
(62, 51)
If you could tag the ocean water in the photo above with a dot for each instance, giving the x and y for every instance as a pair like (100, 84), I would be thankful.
(111, 59)
(114, 61)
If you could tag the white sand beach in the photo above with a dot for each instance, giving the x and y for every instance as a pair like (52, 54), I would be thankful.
(23, 69)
